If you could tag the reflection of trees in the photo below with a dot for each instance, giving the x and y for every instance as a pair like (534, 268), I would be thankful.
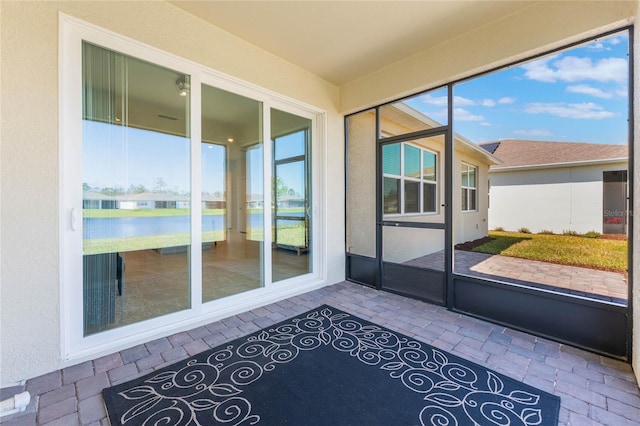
(160, 184)
(282, 188)
(137, 189)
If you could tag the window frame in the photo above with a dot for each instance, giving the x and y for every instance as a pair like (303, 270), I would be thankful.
(466, 189)
(421, 181)
(73, 345)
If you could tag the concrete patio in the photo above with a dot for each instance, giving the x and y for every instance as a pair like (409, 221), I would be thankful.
(595, 390)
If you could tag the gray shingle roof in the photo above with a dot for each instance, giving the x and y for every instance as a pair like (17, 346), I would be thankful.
(521, 153)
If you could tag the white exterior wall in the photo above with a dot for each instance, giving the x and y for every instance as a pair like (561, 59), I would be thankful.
(553, 199)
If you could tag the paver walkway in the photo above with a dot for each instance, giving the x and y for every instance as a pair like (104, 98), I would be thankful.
(595, 390)
(603, 285)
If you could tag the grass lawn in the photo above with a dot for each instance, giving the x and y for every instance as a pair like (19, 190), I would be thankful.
(595, 253)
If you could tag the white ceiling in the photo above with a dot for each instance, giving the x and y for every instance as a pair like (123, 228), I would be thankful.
(341, 41)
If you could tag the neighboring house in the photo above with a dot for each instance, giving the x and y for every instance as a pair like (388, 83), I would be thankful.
(290, 201)
(213, 202)
(97, 200)
(153, 200)
(558, 186)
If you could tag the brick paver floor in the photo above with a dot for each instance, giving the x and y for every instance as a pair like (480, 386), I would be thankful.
(595, 390)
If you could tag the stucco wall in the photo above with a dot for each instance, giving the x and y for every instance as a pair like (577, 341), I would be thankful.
(557, 200)
(30, 317)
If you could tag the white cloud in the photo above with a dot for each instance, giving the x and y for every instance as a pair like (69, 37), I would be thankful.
(539, 70)
(506, 100)
(459, 101)
(465, 115)
(586, 110)
(435, 100)
(598, 46)
(589, 90)
(614, 40)
(488, 102)
(486, 124)
(532, 132)
(572, 69)
(623, 92)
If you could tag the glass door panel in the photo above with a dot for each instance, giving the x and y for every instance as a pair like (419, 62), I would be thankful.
(136, 190)
(232, 194)
(291, 230)
(413, 217)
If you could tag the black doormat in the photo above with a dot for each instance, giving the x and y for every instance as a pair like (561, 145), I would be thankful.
(327, 367)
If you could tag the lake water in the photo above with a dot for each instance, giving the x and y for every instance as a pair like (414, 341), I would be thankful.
(121, 227)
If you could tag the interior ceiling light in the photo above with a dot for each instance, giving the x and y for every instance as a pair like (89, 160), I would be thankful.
(230, 140)
(183, 86)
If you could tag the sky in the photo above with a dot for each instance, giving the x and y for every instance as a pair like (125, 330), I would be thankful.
(118, 156)
(575, 95)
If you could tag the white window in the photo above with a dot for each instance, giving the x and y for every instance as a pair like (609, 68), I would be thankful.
(469, 188)
(410, 179)
(166, 179)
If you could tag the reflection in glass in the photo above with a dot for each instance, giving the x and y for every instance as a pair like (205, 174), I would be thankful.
(391, 159)
(136, 190)
(411, 161)
(415, 190)
(232, 194)
(411, 197)
(391, 195)
(291, 186)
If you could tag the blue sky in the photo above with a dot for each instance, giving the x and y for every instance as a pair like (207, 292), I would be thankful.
(576, 95)
(119, 156)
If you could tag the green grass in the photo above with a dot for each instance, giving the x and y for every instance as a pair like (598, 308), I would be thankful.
(595, 253)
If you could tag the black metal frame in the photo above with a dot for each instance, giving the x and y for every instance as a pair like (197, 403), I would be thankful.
(601, 327)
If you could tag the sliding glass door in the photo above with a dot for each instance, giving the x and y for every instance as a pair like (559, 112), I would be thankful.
(173, 205)
(232, 194)
(291, 221)
(135, 191)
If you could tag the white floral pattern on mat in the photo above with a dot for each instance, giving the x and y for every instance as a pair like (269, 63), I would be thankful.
(209, 390)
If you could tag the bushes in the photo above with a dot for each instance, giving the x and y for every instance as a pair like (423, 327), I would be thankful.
(567, 232)
(592, 234)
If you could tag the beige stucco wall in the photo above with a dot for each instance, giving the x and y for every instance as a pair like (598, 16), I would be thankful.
(29, 303)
